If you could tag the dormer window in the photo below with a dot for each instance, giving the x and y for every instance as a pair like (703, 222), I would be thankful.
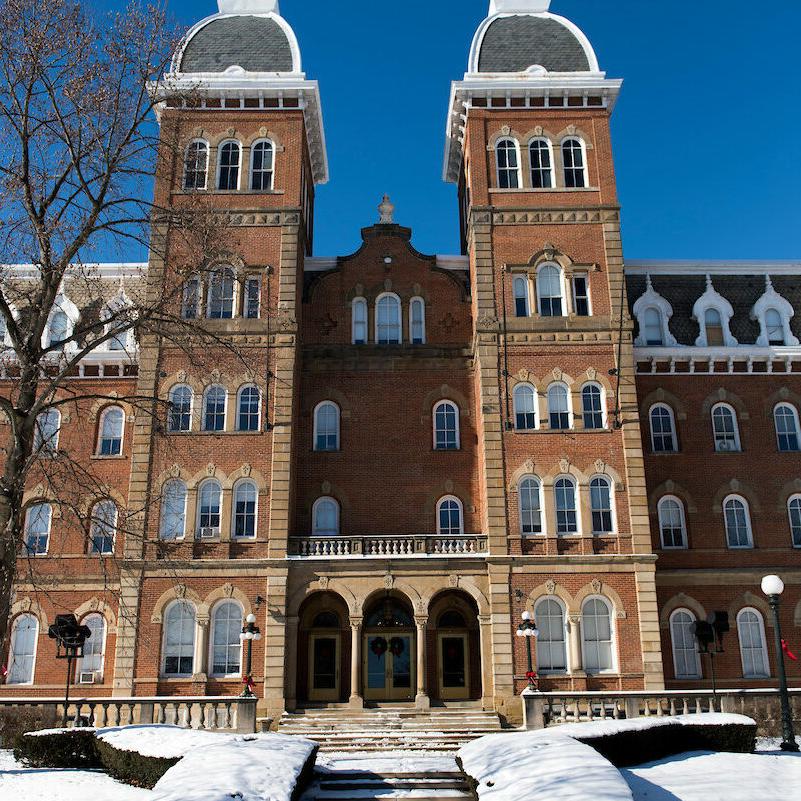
(652, 328)
(774, 314)
(713, 326)
(653, 313)
(713, 313)
(774, 327)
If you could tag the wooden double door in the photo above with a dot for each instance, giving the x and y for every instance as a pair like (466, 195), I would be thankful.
(389, 666)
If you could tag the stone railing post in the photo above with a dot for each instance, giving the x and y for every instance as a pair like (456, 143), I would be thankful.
(533, 710)
(146, 712)
(246, 717)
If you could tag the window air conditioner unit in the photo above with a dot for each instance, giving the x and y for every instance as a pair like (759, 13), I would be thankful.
(726, 445)
(87, 677)
(209, 533)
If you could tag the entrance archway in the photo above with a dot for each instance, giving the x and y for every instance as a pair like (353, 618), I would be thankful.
(453, 639)
(389, 644)
(323, 649)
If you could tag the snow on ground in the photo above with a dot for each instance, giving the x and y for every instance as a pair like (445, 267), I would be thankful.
(31, 784)
(386, 762)
(158, 741)
(772, 743)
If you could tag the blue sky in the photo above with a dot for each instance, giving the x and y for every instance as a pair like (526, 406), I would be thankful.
(705, 132)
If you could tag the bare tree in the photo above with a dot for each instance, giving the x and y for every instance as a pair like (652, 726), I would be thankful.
(79, 153)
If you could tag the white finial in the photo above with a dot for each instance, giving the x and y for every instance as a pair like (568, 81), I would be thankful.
(387, 210)
(248, 6)
(768, 283)
(709, 286)
(648, 285)
(529, 6)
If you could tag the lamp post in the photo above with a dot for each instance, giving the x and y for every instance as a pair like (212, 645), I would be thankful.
(773, 587)
(528, 629)
(70, 637)
(250, 632)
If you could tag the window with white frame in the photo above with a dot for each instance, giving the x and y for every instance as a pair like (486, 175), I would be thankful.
(774, 327)
(262, 159)
(508, 164)
(603, 518)
(774, 313)
(196, 165)
(214, 403)
(672, 524)
(112, 428)
(686, 659)
(229, 158)
(179, 640)
(209, 505)
(596, 636)
(575, 163)
(653, 327)
(244, 509)
(524, 400)
(794, 512)
(221, 301)
(446, 426)
(541, 158)
(663, 429)
(549, 291)
(559, 407)
(94, 648)
(22, 653)
(48, 426)
(753, 648)
(58, 330)
(529, 492)
(564, 490)
(37, 528)
(248, 409)
(581, 295)
(325, 518)
(172, 525)
(713, 326)
(450, 519)
(180, 408)
(252, 308)
(388, 320)
(417, 321)
(190, 304)
(549, 615)
(521, 296)
(725, 429)
(785, 417)
(103, 527)
(226, 645)
(592, 406)
(326, 426)
(359, 321)
(737, 520)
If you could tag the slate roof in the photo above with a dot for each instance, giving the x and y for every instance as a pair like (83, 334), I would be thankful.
(513, 44)
(257, 44)
(742, 291)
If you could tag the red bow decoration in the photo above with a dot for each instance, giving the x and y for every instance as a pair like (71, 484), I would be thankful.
(786, 649)
(248, 682)
(531, 674)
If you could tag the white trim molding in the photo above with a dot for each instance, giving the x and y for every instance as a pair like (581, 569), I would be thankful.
(651, 299)
(772, 300)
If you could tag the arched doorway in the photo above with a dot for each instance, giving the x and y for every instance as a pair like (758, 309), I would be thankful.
(389, 651)
(323, 649)
(454, 674)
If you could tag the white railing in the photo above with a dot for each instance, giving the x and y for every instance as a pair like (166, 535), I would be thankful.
(386, 546)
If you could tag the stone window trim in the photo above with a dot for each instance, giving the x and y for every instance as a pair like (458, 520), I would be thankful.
(651, 299)
(564, 296)
(772, 300)
(713, 300)
(661, 512)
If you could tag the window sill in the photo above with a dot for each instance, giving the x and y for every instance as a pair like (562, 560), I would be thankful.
(560, 430)
(530, 190)
(190, 192)
(101, 458)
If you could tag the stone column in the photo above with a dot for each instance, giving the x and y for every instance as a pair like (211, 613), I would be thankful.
(487, 677)
(574, 651)
(356, 698)
(422, 700)
(292, 662)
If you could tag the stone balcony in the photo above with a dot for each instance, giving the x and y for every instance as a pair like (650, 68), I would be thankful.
(387, 546)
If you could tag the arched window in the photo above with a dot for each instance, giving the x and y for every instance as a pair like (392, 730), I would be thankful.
(179, 640)
(530, 498)
(388, 320)
(575, 163)
(112, 427)
(663, 429)
(326, 426)
(446, 426)
(229, 157)
(37, 528)
(226, 646)
(508, 163)
(262, 156)
(359, 321)
(90, 666)
(196, 165)
(592, 406)
(794, 511)
(190, 304)
(521, 296)
(653, 328)
(596, 635)
(209, 503)
(22, 654)
(558, 407)
(785, 417)
(603, 518)
(549, 291)
(686, 659)
(724, 427)
(325, 518)
(774, 327)
(180, 418)
(753, 648)
(221, 294)
(214, 408)
(248, 409)
(417, 321)
(738, 522)
(58, 330)
(713, 325)
(551, 642)
(103, 527)
(566, 513)
(450, 519)
(48, 425)
(525, 407)
(672, 526)
(245, 502)
(539, 151)
(172, 525)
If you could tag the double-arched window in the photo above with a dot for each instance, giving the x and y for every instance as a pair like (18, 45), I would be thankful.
(564, 490)
(592, 406)
(214, 403)
(172, 525)
(524, 400)
(245, 506)
(22, 653)
(248, 408)
(529, 492)
(196, 165)
(672, 525)
(552, 640)
(48, 426)
(37, 528)
(325, 518)
(450, 517)
(725, 429)
(209, 508)
(663, 429)
(262, 162)
(550, 294)
(446, 426)
(686, 659)
(111, 431)
(597, 637)
(785, 417)
(326, 426)
(178, 650)
(229, 161)
(603, 516)
(103, 527)
(388, 320)
(541, 158)
(574, 161)
(507, 155)
(559, 413)
(226, 645)
(753, 648)
(180, 409)
(737, 519)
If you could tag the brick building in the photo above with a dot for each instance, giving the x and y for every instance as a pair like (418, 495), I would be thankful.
(415, 450)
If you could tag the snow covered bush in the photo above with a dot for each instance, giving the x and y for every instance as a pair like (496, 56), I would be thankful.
(15, 721)
(58, 748)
